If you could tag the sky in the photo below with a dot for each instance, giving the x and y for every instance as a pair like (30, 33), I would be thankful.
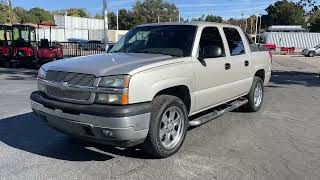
(189, 8)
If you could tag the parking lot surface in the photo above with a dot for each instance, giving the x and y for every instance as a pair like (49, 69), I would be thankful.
(279, 142)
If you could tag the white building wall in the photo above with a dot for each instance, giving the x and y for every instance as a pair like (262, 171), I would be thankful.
(81, 28)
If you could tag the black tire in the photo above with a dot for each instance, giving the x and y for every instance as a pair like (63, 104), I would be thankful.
(16, 65)
(312, 54)
(251, 106)
(160, 105)
(7, 64)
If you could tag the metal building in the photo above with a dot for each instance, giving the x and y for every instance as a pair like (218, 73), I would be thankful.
(299, 40)
(70, 22)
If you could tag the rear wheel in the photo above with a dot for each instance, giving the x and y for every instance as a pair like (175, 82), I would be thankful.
(255, 96)
(168, 126)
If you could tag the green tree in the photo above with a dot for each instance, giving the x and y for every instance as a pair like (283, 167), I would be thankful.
(98, 16)
(209, 18)
(212, 18)
(314, 22)
(78, 12)
(201, 18)
(34, 15)
(21, 14)
(4, 13)
(149, 10)
(125, 19)
(311, 6)
(112, 20)
(39, 15)
(285, 13)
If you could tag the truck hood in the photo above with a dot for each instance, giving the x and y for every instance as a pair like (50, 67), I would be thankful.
(111, 64)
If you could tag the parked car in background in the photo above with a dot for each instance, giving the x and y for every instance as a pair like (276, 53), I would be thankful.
(154, 83)
(311, 52)
(91, 45)
(76, 41)
(271, 47)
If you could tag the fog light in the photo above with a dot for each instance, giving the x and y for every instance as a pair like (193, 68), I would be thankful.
(108, 98)
(107, 132)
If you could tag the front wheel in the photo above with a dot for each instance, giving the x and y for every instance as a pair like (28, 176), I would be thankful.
(168, 126)
(255, 96)
(312, 54)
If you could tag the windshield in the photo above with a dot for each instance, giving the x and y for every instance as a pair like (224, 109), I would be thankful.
(173, 40)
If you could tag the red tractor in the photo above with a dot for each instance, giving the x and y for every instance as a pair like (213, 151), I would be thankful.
(24, 45)
(5, 48)
(48, 50)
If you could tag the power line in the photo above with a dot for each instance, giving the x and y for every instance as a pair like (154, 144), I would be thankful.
(225, 11)
(222, 4)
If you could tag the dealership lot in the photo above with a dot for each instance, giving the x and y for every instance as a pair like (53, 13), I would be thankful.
(279, 142)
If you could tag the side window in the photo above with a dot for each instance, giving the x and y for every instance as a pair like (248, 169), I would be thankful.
(235, 41)
(253, 46)
(211, 41)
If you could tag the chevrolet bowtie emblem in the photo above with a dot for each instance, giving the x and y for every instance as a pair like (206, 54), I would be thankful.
(64, 85)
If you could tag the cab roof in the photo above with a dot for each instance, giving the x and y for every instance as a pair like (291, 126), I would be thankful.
(192, 23)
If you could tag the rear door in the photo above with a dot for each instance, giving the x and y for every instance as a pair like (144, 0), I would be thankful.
(239, 73)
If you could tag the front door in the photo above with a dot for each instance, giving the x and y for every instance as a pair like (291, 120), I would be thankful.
(211, 73)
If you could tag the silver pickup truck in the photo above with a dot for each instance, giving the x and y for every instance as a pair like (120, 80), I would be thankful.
(157, 81)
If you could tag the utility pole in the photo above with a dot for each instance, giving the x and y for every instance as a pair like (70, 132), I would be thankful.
(257, 19)
(158, 19)
(260, 24)
(118, 20)
(251, 23)
(10, 13)
(241, 20)
(179, 16)
(245, 29)
(106, 24)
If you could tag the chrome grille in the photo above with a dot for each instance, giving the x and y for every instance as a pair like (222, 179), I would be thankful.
(68, 94)
(71, 79)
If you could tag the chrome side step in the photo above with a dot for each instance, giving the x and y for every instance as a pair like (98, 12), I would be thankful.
(217, 113)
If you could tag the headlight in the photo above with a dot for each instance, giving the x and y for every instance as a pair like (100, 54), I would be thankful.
(42, 73)
(121, 81)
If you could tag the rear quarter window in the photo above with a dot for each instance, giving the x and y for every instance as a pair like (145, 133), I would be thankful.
(253, 46)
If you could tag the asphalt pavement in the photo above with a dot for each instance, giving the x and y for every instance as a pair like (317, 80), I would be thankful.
(279, 142)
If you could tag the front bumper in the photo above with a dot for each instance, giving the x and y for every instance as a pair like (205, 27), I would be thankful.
(122, 126)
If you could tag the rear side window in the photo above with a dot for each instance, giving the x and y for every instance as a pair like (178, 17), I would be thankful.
(234, 41)
(211, 37)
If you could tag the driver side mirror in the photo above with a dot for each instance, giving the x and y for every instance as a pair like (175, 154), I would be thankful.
(210, 52)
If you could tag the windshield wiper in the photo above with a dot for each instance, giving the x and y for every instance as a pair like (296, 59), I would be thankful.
(116, 52)
(154, 52)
